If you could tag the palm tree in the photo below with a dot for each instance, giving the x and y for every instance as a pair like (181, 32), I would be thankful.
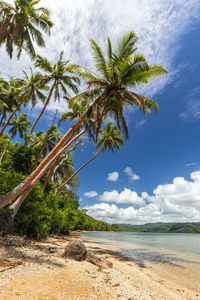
(3, 103)
(19, 26)
(21, 91)
(19, 125)
(110, 138)
(123, 68)
(3, 109)
(107, 94)
(57, 164)
(10, 94)
(60, 75)
(46, 142)
(32, 87)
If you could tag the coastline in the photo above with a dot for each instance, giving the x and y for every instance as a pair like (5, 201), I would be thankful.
(37, 270)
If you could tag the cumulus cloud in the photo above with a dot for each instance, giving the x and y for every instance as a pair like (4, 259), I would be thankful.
(132, 176)
(114, 176)
(178, 201)
(125, 197)
(158, 24)
(91, 194)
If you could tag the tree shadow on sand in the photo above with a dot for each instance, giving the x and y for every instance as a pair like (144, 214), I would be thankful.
(15, 248)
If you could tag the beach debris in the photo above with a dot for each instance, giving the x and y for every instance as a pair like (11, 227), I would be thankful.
(116, 284)
(96, 260)
(76, 250)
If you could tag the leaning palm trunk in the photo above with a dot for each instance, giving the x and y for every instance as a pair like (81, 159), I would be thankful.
(43, 109)
(54, 154)
(66, 181)
(10, 117)
(16, 205)
(55, 165)
(8, 197)
(45, 141)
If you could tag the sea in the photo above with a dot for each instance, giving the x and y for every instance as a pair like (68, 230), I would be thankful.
(172, 256)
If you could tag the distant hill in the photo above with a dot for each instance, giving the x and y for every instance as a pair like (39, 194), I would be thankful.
(188, 227)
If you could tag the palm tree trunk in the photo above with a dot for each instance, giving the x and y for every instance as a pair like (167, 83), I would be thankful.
(16, 205)
(54, 154)
(43, 109)
(44, 143)
(2, 118)
(9, 196)
(10, 117)
(53, 167)
(66, 181)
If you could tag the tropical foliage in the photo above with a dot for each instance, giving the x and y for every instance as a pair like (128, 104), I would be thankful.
(19, 26)
(40, 164)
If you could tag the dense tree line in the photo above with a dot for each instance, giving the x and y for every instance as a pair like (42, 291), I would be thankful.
(39, 167)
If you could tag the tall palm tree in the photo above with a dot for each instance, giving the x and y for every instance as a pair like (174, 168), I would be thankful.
(122, 69)
(107, 93)
(60, 76)
(46, 142)
(3, 104)
(10, 94)
(18, 125)
(32, 87)
(110, 139)
(57, 164)
(19, 26)
(21, 91)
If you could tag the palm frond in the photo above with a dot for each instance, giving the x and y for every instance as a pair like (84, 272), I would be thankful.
(99, 59)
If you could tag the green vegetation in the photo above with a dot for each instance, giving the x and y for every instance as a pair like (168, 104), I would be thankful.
(165, 227)
(40, 164)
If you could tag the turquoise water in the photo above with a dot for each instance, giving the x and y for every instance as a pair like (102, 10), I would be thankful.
(173, 249)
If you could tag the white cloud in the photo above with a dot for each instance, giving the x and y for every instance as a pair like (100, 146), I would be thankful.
(192, 111)
(193, 164)
(178, 201)
(91, 194)
(114, 176)
(125, 197)
(128, 171)
(158, 24)
(141, 123)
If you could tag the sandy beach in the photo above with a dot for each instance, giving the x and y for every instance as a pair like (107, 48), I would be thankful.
(37, 270)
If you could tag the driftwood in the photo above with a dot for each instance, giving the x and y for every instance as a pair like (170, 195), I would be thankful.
(10, 265)
(99, 262)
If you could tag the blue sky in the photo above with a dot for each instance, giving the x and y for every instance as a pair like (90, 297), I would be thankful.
(156, 175)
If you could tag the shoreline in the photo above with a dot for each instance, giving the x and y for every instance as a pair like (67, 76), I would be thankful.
(36, 270)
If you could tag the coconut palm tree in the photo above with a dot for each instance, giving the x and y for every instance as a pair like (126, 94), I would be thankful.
(10, 94)
(60, 76)
(120, 70)
(4, 108)
(46, 142)
(18, 125)
(57, 164)
(32, 87)
(19, 26)
(110, 139)
(22, 91)
(108, 93)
